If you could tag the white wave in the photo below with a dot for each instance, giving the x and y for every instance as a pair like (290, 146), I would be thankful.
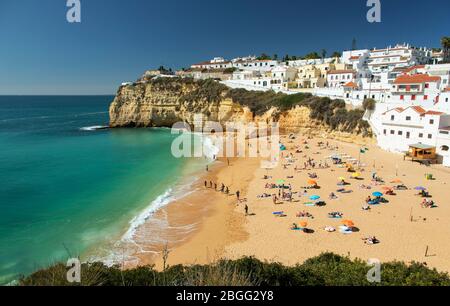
(94, 128)
(140, 219)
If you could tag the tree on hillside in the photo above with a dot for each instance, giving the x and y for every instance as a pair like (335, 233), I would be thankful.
(275, 57)
(286, 58)
(324, 53)
(263, 56)
(336, 54)
(369, 104)
(445, 41)
(312, 55)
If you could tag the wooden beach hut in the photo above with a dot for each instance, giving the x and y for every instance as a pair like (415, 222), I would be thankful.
(422, 153)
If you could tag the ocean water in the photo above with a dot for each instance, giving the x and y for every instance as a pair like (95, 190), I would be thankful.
(66, 189)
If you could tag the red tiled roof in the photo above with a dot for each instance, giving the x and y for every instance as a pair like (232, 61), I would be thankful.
(435, 113)
(351, 84)
(418, 109)
(341, 71)
(409, 69)
(398, 109)
(416, 79)
(355, 57)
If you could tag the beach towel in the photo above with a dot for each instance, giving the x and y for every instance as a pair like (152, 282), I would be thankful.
(345, 230)
(309, 204)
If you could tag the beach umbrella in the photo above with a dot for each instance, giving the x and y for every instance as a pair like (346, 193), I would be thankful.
(341, 178)
(420, 188)
(356, 174)
(312, 182)
(348, 223)
(280, 181)
(377, 194)
(303, 224)
(314, 197)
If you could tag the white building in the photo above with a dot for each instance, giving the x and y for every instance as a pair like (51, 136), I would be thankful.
(338, 78)
(385, 60)
(398, 128)
(255, 65)
(416, 89)
(215, 63)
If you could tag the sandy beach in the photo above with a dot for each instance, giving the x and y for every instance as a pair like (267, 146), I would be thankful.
(406, 231)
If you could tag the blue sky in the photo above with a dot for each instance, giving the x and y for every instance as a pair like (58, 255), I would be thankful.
(117, 40)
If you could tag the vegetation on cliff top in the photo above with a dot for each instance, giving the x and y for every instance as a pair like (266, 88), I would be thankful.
(325, 270)
(330, 112)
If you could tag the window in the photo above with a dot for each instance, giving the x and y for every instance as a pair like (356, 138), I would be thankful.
(400, 133)
(431, 121)
(384, 131)
(392, 117)
(413, 97)
(427, 85)
(425, 97)
(392, 132)
(444, 148)
(420, 135)
(408, 118)
(408, 134)
(402, 97)
(430, 136)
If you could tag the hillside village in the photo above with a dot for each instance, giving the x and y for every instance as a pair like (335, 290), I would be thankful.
(409, 85)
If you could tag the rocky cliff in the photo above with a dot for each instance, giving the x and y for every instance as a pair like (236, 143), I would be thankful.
(161, 103)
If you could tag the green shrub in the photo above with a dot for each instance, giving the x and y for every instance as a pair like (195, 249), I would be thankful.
(325, 270)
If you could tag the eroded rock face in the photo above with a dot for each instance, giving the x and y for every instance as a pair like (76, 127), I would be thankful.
(146, 105)
(150, 105)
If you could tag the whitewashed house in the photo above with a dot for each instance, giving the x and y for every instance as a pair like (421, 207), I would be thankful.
(338, 78)
(215, 63)
(398, 128)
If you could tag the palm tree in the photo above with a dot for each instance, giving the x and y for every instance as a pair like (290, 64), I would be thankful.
(324, 53)
(445, 41)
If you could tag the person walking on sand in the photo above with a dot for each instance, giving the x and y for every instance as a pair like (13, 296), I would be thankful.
(246, 209)
(238, 193)
(207, 169)
(206, 184)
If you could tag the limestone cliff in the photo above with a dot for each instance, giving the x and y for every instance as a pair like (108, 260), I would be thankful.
(152, 105)
(161, 104)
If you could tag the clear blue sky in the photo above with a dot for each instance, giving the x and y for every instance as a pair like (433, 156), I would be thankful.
(41, 53)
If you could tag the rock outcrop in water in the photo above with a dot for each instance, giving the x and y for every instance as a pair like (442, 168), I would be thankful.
(163, 102)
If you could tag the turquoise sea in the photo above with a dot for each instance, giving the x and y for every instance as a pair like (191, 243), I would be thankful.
(65, 189)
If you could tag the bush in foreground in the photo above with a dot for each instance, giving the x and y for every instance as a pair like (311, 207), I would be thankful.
(325, 270)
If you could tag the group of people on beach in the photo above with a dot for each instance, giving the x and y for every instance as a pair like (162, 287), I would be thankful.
(223, 189)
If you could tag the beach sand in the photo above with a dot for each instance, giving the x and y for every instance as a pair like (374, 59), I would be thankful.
(200, 225)
(404, 228)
